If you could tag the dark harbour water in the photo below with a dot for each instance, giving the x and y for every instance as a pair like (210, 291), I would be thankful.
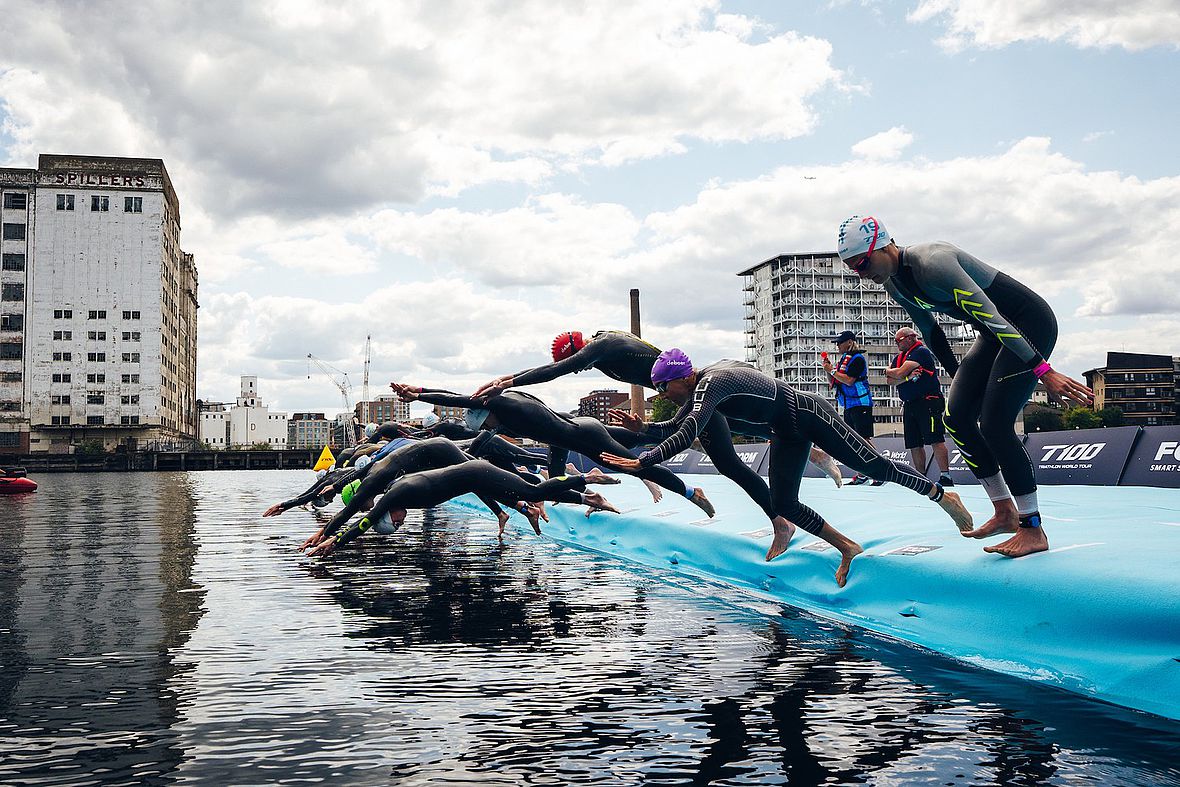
(155, 630)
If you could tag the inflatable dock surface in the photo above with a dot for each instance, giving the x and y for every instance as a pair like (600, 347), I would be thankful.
(1098, 614)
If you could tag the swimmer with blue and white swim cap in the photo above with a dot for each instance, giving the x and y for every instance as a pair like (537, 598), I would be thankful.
(1016, 331)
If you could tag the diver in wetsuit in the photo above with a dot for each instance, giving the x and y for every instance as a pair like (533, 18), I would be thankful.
(1015, 333)
(523, 415)
(796, 420)
(432, 487)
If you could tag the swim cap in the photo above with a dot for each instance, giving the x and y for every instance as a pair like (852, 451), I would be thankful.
(363, 462)
(860, 233)
(385, 525)
(671, 365)
(429, 420)
(475, 417)
(566, 344)
(370, 430)
(349, 490)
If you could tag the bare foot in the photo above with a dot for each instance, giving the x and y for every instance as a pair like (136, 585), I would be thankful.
(1027, 541)
(596, 502)
(828, 465)
(596, 476)
(1002, 522)
(784, 531)
(502, 518)
(657, 494)
(952, 504)
(700, 501)
(847, 553)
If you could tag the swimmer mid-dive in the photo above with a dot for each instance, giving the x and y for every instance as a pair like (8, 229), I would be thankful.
(627, 358)
(523, 415)
(1015, 333)
(796, 419)
(432, 487)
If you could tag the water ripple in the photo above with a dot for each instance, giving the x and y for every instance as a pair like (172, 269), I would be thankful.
(156, 630)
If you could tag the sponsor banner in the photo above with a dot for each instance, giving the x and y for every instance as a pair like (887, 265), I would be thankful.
(1155, 460)
(753, 454)
(1081, 456)
(685, 462)
(892, 448)
(960, 471)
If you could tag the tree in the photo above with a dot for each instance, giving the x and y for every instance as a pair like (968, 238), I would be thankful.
(90, 448)
(1112, 416)
(663, 409)
(1038, 418)
(1081, 418)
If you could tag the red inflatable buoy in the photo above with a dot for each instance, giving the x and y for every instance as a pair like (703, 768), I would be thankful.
(15, 486)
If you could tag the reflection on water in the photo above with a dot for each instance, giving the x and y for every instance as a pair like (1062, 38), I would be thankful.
(155, 630)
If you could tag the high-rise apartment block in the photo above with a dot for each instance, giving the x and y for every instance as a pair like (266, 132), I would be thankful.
(98, 306)
(795, 304)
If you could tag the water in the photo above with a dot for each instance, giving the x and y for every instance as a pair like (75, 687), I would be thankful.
(155, 630)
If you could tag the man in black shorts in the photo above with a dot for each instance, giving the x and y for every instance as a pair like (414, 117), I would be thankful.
(915, 374)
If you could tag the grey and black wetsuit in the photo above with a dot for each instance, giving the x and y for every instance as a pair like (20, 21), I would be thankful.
(452, 430)
(523, 415)
(432, 487)
(1016, 332)
(796, 420)
(389, 431)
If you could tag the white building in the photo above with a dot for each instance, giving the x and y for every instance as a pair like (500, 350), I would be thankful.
(797, 303)
(98, 309)
(249, 422)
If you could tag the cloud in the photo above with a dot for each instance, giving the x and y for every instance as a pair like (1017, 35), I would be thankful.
(298, 110)
(1094, 136)
(1132, 24)
(885, 146)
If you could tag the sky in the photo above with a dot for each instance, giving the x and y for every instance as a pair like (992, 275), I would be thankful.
(463, 181)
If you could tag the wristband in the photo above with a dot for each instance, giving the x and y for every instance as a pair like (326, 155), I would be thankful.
(1042, 370)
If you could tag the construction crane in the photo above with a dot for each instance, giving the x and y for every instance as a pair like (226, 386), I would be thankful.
(365, 387)
(343, 384)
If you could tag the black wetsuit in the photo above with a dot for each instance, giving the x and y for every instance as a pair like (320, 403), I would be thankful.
(388, 431)
(452, 430)
(619, 355)
(313, 492)
(524, 415)
(796, 420)
(490, 483)
(627, 358)
(1016, 332)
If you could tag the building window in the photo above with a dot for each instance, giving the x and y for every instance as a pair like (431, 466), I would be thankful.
(12, 292)
(63, 336)
(11, 351)
(9, 406)
(99, 314)
(94, 420)
(133, 204)
(96, 357)
(63, 399)
(14, 262)
(96, 336)
(16, 200)
(132, 420)
(132, 399)
(101, 204)
(65, 201)
(59, 420)
(63, 314)
(95, 398)
(96, 378)
(132, 315)
(62, 378)
(130, 378)
(14, 231)
(12, 322)
(131, 336)
(130, 357)
(63, 356)
(10, 377)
